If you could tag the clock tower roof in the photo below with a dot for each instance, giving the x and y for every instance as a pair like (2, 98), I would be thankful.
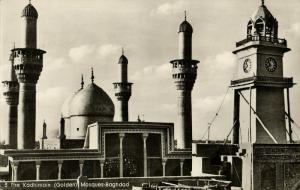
(262, 23)
(263, 13)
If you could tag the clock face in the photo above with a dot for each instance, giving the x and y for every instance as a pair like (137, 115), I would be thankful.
(247, 65)
(271, 64)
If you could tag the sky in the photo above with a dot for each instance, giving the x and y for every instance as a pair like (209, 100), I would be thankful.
(80, 34)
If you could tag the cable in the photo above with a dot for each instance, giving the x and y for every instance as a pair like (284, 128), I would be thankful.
(225, 141)
(216, 115)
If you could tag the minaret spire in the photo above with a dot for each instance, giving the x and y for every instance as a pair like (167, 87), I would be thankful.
(29, 1)
(44, 130)
(122, 50)
(82, 81)
(92, 75)
(185, 15)
(262, 2)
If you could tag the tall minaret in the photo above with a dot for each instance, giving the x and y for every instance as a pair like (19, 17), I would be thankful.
(123, 89)
(184, 74)
(28, 64)
(11, 94)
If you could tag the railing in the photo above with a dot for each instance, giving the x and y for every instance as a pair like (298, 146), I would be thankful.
(262, 38)
(263, 79)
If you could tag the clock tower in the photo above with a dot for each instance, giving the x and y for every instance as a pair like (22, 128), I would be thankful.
(260, 82)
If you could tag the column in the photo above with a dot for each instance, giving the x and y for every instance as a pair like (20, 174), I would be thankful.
(181, 167)
(164, 161)
(16, 164)
(26, 116)
(60, 162)
(102, 168)
(183, 130)
(121, 136)
(81, 162)
(145, 136)
(236, 118)
(38, 166)
(12, 172)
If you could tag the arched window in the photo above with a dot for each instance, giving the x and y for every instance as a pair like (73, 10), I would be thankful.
(249, 28)
(259, 26)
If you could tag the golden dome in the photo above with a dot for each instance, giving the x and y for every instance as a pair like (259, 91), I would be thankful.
(65, 109)
(91, 101)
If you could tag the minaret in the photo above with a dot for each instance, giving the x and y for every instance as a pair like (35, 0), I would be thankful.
(184, 74)
(28, 64)
(62, 135)
(44, 130)
(44, 137)
(11, 94)
(123, 89)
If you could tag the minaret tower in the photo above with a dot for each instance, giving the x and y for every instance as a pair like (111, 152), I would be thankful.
(28, 64)
(11, 94)
(260, 81)
(123, 89)
(184, 74)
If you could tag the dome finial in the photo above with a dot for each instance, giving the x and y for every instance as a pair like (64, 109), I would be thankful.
(92, 75)
(29, 1)
(82, 81)
(185, 15)
(122, 50)
(262, 2)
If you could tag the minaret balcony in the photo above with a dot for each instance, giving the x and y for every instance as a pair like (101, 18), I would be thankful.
(121, 86)
(28, 56)
(11, 85)
(184, 71)
(262, 40)
(255, 81)
(28, 73)
(122, 90)
(12, 97)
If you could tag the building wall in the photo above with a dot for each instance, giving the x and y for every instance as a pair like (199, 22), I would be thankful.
(270, 109)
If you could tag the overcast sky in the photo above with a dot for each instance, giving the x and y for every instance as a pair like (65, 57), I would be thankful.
(80, 34)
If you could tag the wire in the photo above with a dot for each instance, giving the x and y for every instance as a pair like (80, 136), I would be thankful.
(216, 115)
(294, 125)
(225, 141)
(295, 134)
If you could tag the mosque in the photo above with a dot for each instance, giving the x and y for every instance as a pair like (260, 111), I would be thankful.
(90, 143)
